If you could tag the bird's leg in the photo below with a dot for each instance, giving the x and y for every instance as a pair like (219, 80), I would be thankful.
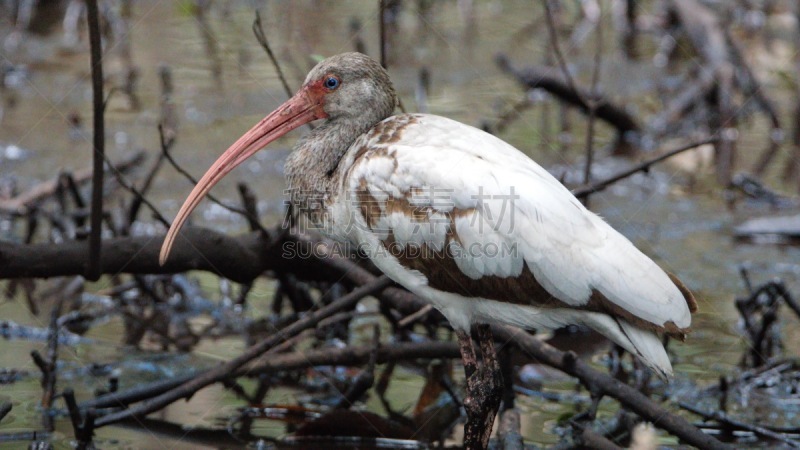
(492, 375)
(467, 354)
(492, 369)
(484, 387)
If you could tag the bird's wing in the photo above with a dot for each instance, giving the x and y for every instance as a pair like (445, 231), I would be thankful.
(478, 218)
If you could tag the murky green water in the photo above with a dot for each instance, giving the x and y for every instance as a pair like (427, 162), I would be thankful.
(689, 235)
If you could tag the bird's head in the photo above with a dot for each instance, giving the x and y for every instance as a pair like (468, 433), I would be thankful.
(351, 88)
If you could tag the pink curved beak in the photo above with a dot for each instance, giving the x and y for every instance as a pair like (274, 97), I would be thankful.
(297, 111)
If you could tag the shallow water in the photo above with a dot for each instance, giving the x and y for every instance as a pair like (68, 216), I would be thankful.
(688, 234)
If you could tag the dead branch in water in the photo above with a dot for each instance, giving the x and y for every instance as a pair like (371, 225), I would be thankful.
(725, 419)
(548, 79)
(722, 57)
(236, 258)
(276, 363)
(223, 371)
(22, 204)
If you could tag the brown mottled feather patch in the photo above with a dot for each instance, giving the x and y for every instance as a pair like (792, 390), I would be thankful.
(440, 268)
(442, 272)
(361, 151)
(391, 130)
(388, 131)
(369, 205)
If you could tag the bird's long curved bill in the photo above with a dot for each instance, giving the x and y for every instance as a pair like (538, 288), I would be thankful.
(297, 111)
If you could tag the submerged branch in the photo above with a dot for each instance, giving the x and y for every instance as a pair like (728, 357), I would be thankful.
(348, 356)
(25, 202)
(224, 371)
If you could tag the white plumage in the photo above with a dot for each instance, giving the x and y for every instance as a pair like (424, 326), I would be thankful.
(439, 166)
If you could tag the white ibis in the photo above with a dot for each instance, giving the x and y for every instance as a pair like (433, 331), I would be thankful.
(460, 218)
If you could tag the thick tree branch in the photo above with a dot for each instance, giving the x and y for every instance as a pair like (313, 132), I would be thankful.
(240, 258)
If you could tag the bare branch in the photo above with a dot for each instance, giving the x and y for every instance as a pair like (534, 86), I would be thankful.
(258, 30)
(22, 204)
(224, 371)
(93, 269)
(599, 186)
(165, 147)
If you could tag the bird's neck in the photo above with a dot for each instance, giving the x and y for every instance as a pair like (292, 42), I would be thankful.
(311, 167)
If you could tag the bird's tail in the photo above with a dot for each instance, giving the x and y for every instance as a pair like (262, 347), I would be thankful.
(642, 343)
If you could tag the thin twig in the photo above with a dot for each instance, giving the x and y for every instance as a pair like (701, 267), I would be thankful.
(405, 321)
(139, 196)
(136, 203)
(169, 125)
(93, 269)
(592, 104)
(644, 166)
(382, 25)
(719, 416)
(562, 62)
(258, 30)
(165, 151)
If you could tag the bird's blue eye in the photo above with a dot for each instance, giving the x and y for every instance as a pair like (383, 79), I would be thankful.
(331, 82)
